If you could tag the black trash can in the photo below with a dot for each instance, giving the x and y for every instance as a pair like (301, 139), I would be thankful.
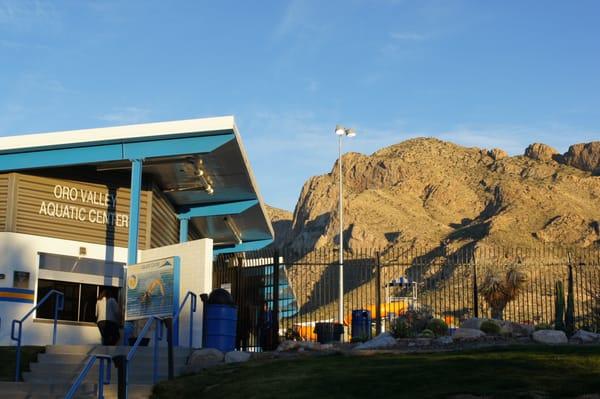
(361, 325)
(328, 332)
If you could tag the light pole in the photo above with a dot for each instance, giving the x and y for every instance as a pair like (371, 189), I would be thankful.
(341, 131)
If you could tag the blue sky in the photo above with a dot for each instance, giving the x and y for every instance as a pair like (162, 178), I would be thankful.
(480, 73)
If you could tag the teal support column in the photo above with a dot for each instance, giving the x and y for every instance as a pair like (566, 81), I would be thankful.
(183, 229)
(134, 210)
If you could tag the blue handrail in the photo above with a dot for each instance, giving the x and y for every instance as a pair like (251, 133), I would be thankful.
(102, 378)
(157, 337)
(58, 306)
(193, 301)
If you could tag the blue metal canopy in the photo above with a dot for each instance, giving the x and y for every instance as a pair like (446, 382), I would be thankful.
(200, 165)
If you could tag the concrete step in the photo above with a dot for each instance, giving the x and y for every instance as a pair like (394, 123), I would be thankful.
(76, 367)
(142, 358)
(108, 350)
(21, 390)
(53, 374)
(136, 376)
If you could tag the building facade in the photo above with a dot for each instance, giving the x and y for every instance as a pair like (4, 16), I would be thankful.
(76, 207)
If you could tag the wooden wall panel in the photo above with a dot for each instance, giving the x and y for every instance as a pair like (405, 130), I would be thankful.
(3, 200)
(80, 212)
(165, 225)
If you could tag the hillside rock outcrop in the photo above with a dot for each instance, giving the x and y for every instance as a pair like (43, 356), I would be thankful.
(542, 152)
(281, 220)
(427, 192)
(584, 156)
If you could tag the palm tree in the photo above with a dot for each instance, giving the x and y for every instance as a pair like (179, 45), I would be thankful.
(498, 290)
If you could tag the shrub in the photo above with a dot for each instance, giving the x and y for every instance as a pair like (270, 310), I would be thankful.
(489, 327)
(426, 333)
(438, 327)
(543, 326)
(411, 323)
(400, 328)
(418, 319)
(498, 289)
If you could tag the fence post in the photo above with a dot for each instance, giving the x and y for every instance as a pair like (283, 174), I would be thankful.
(275, 327)
(475, 289)
(378, 295)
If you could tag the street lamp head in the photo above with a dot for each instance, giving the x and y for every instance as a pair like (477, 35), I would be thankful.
(340, 130)
(350, 132)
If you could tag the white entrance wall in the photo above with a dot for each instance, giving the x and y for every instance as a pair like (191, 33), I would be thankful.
(196, 266)
(21, 252)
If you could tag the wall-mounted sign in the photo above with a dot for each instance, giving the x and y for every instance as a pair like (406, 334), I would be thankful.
(2, 276)
(74, 209)
(20, 279)
(152, 288)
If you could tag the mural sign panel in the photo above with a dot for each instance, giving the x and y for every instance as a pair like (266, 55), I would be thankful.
(152, 288)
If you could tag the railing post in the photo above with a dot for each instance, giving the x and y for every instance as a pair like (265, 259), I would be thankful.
(120, 362)
(18, 359)
(157, 327)
(275, 327)
(378, 295)
(193, 304)
(169, 325)
(475, 290)
(59, 302)
(101, 378)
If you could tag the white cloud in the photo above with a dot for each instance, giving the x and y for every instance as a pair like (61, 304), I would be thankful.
(515, 138)
(126, 115)
(24, 15)
(295, 16)
(409, 36)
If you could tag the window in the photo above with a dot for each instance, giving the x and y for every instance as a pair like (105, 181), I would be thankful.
(80, 300)
(65, 274)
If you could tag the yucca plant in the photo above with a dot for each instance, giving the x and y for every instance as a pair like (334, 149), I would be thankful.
(498, 290)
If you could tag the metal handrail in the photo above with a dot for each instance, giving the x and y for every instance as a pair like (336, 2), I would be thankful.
(123, 361)
(101, 376)
(58, 306)
(193, 302)
(128, 357)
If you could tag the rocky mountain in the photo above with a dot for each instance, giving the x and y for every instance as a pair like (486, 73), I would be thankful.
(429, 193)
(282, 225)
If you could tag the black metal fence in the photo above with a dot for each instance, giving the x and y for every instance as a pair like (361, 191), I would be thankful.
(281, 292)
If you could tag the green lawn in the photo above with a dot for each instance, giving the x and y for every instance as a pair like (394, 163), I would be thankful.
(514, 372)
(8, 357)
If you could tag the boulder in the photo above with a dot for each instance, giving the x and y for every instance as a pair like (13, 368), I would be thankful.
(467, 334)
(204, 358)
(541, 151)
(444, 340)
(497, 154)
(237, 357)
(550, 337)
(473, 322)
(286, 346)
(513, 329)
(382, 341)
(423, 341)
(584, 156)
(585, 337)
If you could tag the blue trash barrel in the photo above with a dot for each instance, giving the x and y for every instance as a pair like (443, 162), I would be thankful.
(220, 327)
(361, 325)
